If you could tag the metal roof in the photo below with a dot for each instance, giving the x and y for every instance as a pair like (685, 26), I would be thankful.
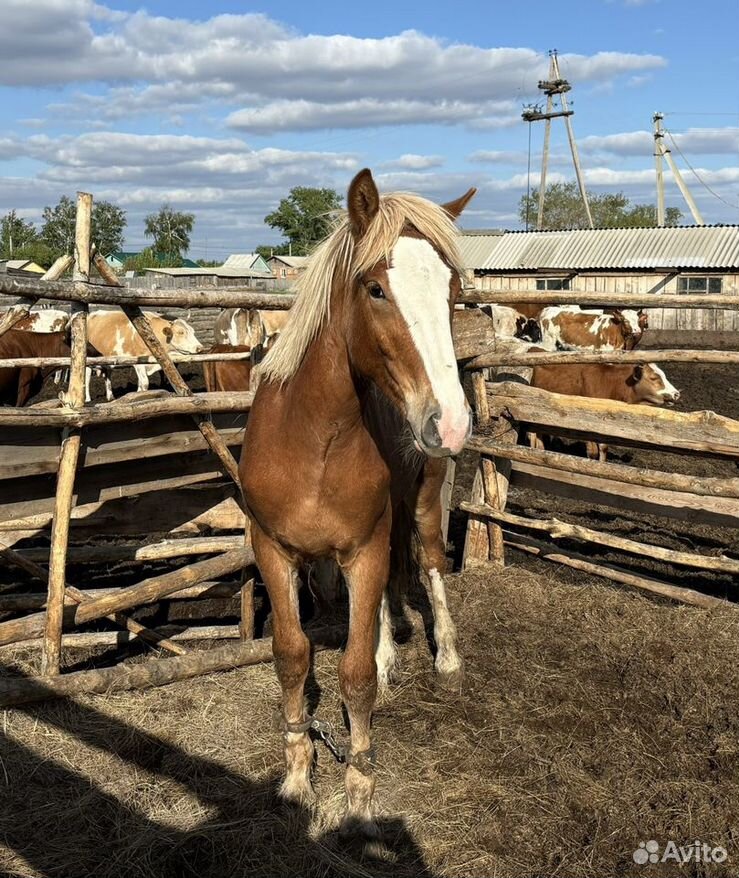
(216, 271)
(292, 261)
(679, 247)
(241, 260)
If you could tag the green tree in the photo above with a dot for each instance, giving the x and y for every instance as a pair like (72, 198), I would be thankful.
(170, 229)
(563, 209)
(304, 218)
(149, 258)
(107, 226)
(15, 234)
(267, 250)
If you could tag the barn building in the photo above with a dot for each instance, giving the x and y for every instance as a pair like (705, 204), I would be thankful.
(683, 259)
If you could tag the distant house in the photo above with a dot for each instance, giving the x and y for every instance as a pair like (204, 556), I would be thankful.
(118, 259)
(249, 261)
(20, 267)
(287, 267)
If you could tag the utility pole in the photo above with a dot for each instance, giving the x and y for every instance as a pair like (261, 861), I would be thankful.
(664, 152)
(658, 154)
(555, 85)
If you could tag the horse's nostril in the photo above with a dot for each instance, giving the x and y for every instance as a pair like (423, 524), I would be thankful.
(430, 432)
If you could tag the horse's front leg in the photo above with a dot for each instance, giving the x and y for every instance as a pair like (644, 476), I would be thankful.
(291, 650)
(366, 576)
(433, 558)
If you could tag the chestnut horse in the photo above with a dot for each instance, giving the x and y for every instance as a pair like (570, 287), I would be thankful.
(358, 407)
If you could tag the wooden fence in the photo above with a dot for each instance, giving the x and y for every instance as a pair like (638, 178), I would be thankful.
(506, 406)
(141, 463)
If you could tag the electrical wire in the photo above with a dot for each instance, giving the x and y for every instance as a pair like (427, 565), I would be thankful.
(697, 175)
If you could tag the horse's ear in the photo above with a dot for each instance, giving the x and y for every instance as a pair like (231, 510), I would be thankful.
(454, 208)
(363, 202)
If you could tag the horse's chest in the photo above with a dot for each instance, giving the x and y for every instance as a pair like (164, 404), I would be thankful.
(319, 506)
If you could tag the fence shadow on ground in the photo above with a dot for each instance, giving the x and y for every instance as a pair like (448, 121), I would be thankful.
(60, 823)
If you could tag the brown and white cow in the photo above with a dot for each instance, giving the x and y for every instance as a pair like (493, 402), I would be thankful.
(568, 326)
(19, 384)
(227, 374)
(639, 384)
(113, 334)
(510, 323)
(42, 320)
(257, 329)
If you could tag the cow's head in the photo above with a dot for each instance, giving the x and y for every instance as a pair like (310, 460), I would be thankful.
(528, 328)
(652, 386)
(180, 337)
(631, 325)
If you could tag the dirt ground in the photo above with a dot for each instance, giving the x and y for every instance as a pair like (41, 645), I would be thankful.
(592, 719)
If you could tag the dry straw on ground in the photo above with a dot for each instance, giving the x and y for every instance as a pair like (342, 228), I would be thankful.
(592, 719)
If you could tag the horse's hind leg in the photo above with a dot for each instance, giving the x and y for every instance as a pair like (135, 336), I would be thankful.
(366, 575)
(291, 650)
(433, 558)
(386, 653)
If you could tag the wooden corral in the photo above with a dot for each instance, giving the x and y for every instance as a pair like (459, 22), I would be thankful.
(151, 462)
(507, 407)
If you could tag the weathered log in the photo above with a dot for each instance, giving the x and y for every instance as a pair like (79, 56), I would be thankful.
(156, 672)
(135, 552)
(599, 300)
(198, 405)
(75, 596)
(558, 529)
(148, 591)
(104, 294)
(480, 393)
(168, 633)
(473, 333)
(617, 422)
(615, 574)
(75, 398)
(593, 491)
(37, 600)
(564, 358)
(160, 586)
(49, 362)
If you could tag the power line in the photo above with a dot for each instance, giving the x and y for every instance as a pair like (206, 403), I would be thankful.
(697, 175)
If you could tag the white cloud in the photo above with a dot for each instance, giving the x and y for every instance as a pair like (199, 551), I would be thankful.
(694, 141)
(413, 162)
(273, 77)
(497, 157)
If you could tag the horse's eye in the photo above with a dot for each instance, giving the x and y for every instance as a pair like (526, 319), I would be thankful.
(375, 290)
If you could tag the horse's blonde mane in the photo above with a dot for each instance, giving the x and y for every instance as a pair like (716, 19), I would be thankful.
(339, 257)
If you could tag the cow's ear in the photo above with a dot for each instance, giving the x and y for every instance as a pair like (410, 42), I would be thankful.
(617, 316)
(167, 333)
(362, 201)
(638, 373)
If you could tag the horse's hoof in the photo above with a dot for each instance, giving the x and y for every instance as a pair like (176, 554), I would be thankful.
(356, 827)
(300, 793)
(450, 677)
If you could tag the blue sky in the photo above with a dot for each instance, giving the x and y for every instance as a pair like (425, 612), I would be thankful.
(221, 112)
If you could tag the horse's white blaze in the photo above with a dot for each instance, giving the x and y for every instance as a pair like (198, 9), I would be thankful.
(419, 282)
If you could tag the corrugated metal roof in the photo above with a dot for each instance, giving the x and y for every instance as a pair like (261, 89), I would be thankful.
(241, 260)
(292, 261)
(681, 247)
(217, 271)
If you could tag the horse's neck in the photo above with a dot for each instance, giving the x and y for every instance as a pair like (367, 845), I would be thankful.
(322, 390)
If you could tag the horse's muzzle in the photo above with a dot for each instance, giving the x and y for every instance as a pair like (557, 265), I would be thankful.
(433, 443)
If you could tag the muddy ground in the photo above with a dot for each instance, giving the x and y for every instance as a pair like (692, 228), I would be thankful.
(592, 718)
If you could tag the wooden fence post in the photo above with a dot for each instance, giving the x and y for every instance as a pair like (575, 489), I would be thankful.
(70, 449)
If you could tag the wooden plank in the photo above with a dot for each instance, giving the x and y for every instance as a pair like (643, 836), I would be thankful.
(473, 333)
(601, 299)
(200, 405)
(134, 552)
(617, 422)
(716, 511)
(103, 294)
(50, 362)
(558, 529)
(617, 472)
(563, 358)
(616, 574)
